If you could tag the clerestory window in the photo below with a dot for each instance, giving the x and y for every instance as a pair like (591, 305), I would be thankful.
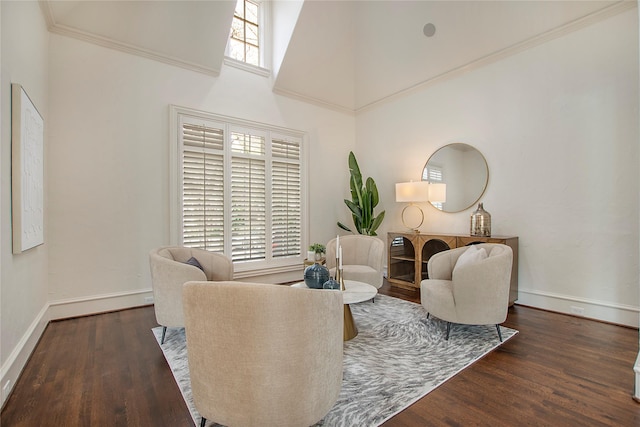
(247, 33)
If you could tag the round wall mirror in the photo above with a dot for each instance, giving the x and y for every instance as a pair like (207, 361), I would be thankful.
(463, 170)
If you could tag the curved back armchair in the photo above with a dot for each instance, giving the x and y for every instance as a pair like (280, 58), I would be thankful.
(169, 271)
(362, 258)
(262, 354)
(476, 293)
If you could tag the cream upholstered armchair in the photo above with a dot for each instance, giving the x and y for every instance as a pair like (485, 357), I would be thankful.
(362, 258)
(261, 354)
(171, 267)
(469, 285)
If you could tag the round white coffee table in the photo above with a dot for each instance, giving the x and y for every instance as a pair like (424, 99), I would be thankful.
(354, 292)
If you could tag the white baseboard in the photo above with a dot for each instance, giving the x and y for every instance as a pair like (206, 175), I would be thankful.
(620, 314)
(11, 369)
(15, 363)
(73, 307)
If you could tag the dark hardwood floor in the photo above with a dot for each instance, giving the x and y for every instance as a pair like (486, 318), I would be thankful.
(107, 370)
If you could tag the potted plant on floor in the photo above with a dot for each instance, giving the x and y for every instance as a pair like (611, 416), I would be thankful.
(364, 198)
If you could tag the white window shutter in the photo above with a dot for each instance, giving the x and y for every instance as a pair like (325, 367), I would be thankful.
(203, 187)
(248, 209)
(239, 186)
(286, 206)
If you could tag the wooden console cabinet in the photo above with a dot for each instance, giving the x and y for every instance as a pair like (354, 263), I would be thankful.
(409, 253)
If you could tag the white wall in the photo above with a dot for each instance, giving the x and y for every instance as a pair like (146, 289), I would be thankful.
(109, 163)
(24, 283)
(558, 125)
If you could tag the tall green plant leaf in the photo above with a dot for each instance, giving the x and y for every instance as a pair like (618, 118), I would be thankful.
(354, 169)
(366, 210)
(356, 210)
(358, 225)
(356, 191)
(344, 227)
(376, 223)
(373, 189)
(364, 198)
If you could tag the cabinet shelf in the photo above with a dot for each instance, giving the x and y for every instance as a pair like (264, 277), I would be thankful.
(409, 254)
(407, 278)
(404, 258)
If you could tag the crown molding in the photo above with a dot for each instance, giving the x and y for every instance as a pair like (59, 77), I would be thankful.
(45, 7)
(134, 50)
(118, 45)
(555, 33)
(312, 100)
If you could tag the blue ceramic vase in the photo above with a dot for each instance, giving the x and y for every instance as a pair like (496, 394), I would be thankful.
(315, 275)
(331, 284)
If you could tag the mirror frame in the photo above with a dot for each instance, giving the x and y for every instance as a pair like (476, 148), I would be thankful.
(484, 187)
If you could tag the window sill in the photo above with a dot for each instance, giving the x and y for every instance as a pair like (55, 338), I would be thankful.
(264, 72)
(276, 274)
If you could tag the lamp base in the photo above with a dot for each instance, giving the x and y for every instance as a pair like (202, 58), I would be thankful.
(414, 220)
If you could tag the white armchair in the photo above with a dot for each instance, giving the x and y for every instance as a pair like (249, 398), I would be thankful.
(169, 271)
(362, 258)
(476, 293)
(263, 355)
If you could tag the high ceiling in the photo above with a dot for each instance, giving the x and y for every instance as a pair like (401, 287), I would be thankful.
(347, 55)
(192, 34)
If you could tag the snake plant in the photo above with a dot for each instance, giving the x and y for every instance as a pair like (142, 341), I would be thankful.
(364, 198)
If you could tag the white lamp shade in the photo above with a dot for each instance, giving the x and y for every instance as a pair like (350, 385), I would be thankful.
(438, 193)
(412, 191)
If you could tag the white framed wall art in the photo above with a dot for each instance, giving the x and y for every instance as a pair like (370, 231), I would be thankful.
(27, 171)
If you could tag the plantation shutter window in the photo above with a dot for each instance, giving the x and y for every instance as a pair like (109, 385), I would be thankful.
(240, 191)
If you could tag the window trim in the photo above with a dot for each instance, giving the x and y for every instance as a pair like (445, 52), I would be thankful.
(241, 269)
(264, 72)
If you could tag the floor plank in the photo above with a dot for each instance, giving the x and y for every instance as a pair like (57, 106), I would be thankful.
(107, 369)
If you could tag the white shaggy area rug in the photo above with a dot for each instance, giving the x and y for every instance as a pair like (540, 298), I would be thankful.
(398, 357)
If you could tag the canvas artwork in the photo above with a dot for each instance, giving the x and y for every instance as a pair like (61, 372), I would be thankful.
(27, 171)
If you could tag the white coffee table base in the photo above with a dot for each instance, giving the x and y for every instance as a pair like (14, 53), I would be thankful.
(354, 292)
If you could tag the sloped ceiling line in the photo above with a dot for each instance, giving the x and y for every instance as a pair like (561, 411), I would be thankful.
(131, 49)
(555, 33)
(315, 101)
(329, 77)
(56, 26)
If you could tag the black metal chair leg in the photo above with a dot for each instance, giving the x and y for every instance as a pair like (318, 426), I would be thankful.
(164, 332)
(499, 333)
(203, 421)
(428, 314)
(448, 330)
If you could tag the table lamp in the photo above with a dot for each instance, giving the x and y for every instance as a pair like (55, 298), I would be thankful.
(412, 192)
